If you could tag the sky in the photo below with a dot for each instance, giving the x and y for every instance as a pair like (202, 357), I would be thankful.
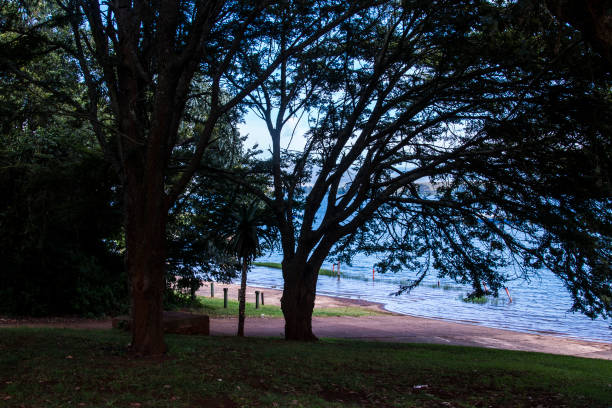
(257, 132)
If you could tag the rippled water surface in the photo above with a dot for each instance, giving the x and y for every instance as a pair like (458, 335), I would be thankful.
(539, 306)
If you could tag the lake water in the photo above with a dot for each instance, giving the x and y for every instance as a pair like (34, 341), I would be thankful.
(538, 306)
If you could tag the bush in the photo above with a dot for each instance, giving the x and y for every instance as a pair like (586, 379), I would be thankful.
(58, 216)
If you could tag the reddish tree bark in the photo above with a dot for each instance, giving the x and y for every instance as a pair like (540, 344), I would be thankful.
(297, 302)
(145, 258)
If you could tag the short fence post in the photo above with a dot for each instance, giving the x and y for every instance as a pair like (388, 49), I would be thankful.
(262, 300)
(256, 299)
(212, 289)
(225, 298)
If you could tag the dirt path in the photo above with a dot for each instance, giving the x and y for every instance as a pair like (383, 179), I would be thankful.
(386, 327)
(408, 329)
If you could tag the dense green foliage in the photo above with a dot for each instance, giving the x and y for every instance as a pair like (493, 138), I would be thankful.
(58, 368)
(59, 219)
(60, 216)
(202, 230)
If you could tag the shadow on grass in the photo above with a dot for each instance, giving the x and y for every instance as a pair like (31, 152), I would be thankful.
(60, 367)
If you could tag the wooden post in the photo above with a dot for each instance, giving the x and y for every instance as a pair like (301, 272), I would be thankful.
(372, 274)
(225, 298)
(256, 299)
(262, 299)
(212, 289)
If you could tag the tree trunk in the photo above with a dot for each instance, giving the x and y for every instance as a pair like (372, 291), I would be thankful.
(298, 300)
(145, 225)
(242, 297)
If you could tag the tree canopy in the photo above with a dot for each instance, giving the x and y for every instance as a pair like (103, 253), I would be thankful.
(59, 209)
(460, 137)
(455, 137)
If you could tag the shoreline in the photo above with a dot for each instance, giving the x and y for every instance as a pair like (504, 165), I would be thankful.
(323, 301)
(401, 328)
(536, 305)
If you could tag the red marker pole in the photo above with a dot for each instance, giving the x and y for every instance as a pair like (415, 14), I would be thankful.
(372, 274)
(338, 270)
(333, 268)
(508, 293)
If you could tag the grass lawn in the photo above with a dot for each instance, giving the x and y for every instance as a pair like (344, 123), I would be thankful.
(71, 368)
(214, 308)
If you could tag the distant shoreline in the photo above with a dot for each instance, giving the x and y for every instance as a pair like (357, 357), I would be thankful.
(273, 295)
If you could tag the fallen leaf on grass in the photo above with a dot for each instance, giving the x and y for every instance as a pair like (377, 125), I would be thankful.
(68, 357)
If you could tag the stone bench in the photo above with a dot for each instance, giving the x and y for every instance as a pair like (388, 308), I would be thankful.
(174, 322)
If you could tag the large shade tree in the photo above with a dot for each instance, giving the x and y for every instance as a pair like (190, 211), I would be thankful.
(139, 61)
(457, 137)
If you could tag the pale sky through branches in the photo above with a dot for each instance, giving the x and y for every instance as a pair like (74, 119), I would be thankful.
(257, 132)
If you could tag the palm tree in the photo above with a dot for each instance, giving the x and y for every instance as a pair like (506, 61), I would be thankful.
(250, 229)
